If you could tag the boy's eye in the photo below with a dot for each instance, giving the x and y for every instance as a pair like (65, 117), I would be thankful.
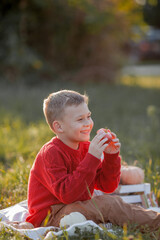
(81, 119)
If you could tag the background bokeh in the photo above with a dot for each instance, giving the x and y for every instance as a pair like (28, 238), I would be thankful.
(79, 40)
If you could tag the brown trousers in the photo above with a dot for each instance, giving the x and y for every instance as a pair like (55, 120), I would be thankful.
(107, 208)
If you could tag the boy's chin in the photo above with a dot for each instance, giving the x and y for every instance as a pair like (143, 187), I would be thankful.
(85, 139)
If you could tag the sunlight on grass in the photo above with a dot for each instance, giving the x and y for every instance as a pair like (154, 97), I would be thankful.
(144, 81)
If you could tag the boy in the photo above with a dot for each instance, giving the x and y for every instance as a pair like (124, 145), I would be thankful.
(68, 168)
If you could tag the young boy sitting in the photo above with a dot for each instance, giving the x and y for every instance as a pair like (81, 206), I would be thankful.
(68, 168)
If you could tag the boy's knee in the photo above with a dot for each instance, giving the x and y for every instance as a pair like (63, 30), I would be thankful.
(107, 202)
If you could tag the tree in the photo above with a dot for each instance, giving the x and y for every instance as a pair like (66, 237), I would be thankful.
(151, 13)
(82, 38)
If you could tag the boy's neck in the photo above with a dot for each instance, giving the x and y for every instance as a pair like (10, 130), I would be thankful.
(73, 145)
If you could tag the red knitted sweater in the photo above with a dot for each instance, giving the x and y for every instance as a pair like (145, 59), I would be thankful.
(61, 174)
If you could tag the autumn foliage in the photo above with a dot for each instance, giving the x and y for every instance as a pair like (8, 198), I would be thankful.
(81, 40)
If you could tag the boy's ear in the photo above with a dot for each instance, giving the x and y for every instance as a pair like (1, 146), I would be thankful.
(57, 127)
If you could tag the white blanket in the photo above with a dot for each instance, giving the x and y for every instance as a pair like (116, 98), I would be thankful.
(19, 212)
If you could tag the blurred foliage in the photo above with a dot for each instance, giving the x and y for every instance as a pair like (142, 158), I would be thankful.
(151, 12)
(83, 40)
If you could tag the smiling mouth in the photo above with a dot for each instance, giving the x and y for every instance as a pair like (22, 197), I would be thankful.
(85, 132)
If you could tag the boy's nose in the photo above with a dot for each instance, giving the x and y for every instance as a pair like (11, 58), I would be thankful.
(87, 122)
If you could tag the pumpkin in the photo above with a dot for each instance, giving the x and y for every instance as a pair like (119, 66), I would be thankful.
(72, 218)
(131, 175)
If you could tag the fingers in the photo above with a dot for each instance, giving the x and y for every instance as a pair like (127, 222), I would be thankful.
(115, 140)
(113, 146)
(98, 145)
(100, 141)
(113, 134)
(102, 144)
(103, 147)
(99, 137)
(117, 145)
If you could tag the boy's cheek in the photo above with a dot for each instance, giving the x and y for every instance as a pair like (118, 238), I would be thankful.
(92, 124)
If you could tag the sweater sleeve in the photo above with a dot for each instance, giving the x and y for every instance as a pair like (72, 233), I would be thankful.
(108, 173)
(67, 187)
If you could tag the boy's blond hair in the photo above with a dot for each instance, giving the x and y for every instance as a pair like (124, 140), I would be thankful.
(55, 104)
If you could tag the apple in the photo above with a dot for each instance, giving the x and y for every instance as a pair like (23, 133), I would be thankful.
(108, 134)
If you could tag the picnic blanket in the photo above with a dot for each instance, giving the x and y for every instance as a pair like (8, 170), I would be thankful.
(19, 212)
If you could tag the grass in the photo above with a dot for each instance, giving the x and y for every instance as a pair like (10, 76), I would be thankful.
(132, 111)
(143, 81)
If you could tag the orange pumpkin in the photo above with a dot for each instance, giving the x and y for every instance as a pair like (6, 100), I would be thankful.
(131, 175)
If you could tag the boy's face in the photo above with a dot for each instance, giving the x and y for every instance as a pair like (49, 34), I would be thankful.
(76, 125)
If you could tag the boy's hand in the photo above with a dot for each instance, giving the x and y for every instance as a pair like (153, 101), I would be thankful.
(114, 145)
(98, 145)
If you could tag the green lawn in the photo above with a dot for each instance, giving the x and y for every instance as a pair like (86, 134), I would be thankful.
(131, 111)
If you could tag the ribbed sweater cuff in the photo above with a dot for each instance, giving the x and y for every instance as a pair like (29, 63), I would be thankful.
(89, 158)
(111, 157)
